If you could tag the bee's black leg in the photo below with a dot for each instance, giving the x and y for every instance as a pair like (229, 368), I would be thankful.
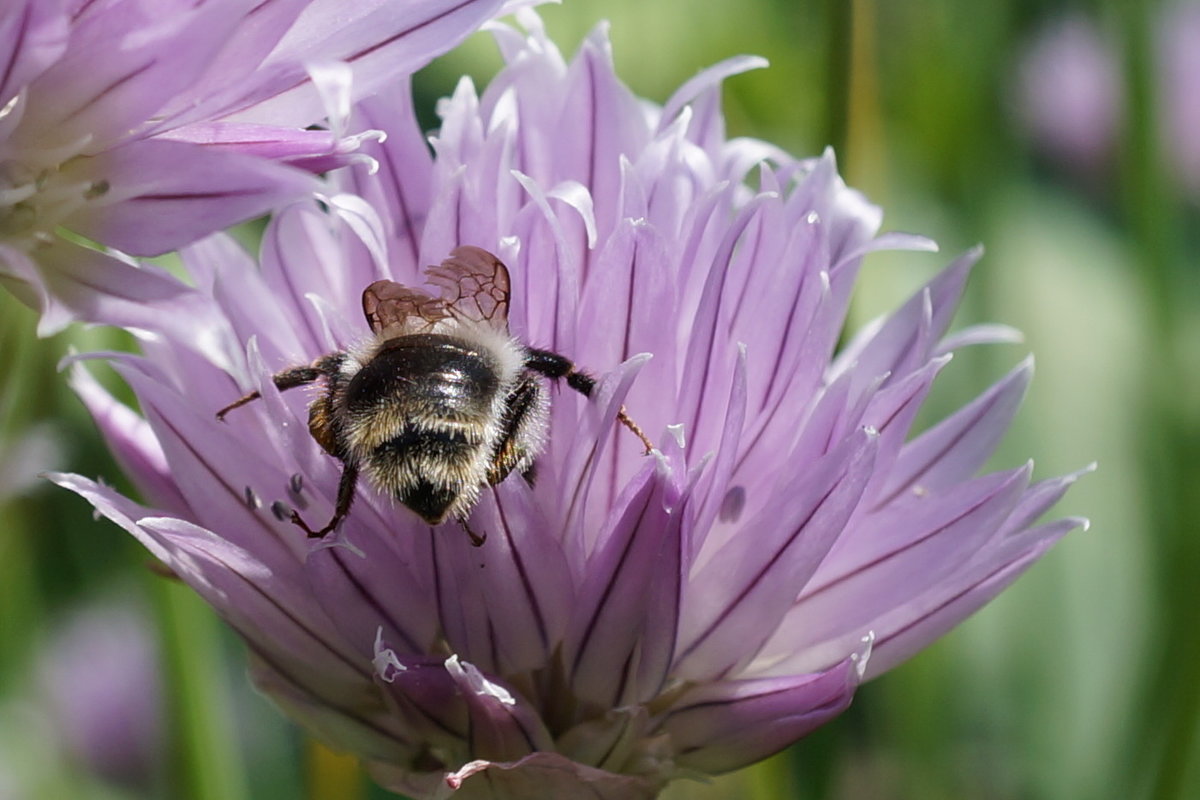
(552, 365)
(344, 499)
(477, 539)
(530, 474)
(290, 379)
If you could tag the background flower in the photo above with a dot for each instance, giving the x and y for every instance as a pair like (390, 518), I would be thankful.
(145, 125)
(99, 681)
(630, 618)
(1071, 94)
(90, 706)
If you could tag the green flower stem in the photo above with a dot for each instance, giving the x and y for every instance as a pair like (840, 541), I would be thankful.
(1162, 740)
(839, 24)
(206, 754)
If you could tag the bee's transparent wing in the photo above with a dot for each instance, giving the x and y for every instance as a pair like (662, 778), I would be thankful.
(474, 285)
(393, 306)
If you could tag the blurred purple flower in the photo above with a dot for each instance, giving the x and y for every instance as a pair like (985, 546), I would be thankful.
(1179, 91)
(1070, 93)
(146, 124)
(630, 619)
(99, 677)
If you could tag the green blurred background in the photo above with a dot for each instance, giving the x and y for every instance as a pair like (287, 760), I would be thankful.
(1082, 681)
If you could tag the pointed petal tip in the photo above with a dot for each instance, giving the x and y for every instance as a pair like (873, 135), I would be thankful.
(863, 655)
(636, 361)
(1006, 334)
(1023, 371)
(63, 479)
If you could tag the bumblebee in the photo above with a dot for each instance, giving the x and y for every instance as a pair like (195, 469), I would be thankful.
(441, 401)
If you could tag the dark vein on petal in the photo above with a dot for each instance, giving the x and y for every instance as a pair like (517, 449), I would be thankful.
(966, 428)
(526, 734)
(299, 304)
(738, 700)
(615, 449)
(22, 32)
(612, 746)
(270, 599)
(584, 480)
(82, 9)
(1016, 562)
(378, 45)
(493, 645)
(614, 578)
(402, 34)
(370, 600)
(389, 164)
(526, 583)
(826, 707)
(113, 87)
(222, 195)
(759, 236)
(783, 340)
(892, 554)
(458, 209)
(349, 713)
(437, 580)
(432, 717)
(751, 584)
(623, 679)
(718, 298)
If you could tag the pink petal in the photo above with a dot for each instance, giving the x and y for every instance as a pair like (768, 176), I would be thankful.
(959, 445)
(737, 598)
(543, 776)
(33, 35)
(380, 39)
(186, 190)
(718, 727)
(121, 67)
(619, 601)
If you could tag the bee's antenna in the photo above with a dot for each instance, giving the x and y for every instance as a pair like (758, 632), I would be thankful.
(628, 422)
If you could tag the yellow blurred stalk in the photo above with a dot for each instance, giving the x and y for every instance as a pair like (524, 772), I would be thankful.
(333, 776)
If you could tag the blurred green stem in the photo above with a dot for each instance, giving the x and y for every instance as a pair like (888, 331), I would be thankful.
(839, 24)
(206, 754)
(1162, 739)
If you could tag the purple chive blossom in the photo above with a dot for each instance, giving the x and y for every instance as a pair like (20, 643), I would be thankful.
(1068, 94)
(630, 618)
(1071, 94)
(1179, 70)
(99, 680)
(146, 125)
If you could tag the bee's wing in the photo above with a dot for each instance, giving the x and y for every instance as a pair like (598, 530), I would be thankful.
(474, 285)
(391, 305)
